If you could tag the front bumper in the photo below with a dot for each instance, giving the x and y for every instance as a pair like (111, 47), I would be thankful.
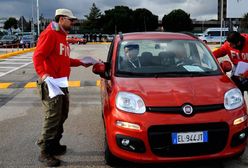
(152, 143)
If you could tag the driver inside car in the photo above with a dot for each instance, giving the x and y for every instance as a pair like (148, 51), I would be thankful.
(131, 59)
(180, 54)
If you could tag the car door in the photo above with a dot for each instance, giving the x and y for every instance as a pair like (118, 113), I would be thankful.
(107, 81)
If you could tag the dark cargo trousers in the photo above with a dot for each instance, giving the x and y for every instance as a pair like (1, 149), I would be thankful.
(55, 113)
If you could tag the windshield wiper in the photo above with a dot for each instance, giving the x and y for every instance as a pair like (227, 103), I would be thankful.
(183, 73)
(131, 74)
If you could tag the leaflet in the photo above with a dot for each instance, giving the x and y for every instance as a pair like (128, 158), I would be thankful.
(89, 60)
(241, 68)
(55, 84)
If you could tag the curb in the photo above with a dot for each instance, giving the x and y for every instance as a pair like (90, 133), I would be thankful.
(3, 56)
(12, 85)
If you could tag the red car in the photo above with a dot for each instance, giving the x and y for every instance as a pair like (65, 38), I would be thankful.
(75, 39)
(171, 102)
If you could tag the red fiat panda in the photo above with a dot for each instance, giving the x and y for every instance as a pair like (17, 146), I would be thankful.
(166, 99)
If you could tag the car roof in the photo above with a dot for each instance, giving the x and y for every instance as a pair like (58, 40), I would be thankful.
(158, 35)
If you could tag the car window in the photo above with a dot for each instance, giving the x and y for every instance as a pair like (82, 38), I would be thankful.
(164, 58)
(7, 37)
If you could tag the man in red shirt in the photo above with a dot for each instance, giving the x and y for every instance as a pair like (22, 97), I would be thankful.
(236, 47)
(52, 62)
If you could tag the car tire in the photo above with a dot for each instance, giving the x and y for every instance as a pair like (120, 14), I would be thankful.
(109, 158)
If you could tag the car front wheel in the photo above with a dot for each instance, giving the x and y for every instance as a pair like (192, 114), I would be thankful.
(110, 159)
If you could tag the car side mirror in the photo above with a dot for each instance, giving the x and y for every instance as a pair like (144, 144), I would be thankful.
(226, 66)
(99, 69)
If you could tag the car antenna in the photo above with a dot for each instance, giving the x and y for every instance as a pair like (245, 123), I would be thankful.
(121, 35)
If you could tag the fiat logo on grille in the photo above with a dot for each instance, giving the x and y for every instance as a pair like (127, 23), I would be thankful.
(187, 109)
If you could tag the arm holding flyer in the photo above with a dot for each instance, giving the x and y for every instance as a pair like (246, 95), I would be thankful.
(88, 61)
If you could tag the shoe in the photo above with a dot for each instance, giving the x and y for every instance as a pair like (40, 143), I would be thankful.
(48, 159)
(58, 149)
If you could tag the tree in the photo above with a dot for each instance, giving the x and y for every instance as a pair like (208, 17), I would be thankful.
(176, 21)
(244, 23)
(145, 20)
(10, 23)
(118, 19)
(92, 21)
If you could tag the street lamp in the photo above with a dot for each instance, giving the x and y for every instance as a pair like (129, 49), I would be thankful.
(38, 20)
(221, 21)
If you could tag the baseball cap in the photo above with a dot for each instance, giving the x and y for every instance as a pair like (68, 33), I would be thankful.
(65, 12)
(132, 46)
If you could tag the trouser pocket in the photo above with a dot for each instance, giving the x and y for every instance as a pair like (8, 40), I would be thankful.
(42, 89)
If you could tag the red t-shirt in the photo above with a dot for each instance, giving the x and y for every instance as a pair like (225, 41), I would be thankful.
(52, 53)
(234, 54)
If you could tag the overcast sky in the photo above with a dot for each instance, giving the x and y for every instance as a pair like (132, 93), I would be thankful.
(198, 9)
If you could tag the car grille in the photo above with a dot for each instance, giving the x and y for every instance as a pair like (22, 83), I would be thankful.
(161, 142)
(197, 109)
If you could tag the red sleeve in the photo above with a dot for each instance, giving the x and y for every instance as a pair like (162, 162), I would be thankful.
(42, 51)
(222, 51)
(75, 62)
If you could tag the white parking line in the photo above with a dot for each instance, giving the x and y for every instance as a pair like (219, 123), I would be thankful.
(7, 67)
(18, 59)
(15, 69)
(14, 63)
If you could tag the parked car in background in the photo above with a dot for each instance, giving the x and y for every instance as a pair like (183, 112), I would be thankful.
(165, 98)
(9, 41)
(213, 35)
(76, 39)
(27, 41)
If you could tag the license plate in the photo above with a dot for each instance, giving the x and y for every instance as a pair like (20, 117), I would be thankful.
(189, 137)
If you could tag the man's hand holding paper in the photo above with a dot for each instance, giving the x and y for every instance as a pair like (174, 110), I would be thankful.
(88, 61)
(241, 69)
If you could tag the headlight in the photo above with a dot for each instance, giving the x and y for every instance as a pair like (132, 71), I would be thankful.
(130, 102)
(233, 99)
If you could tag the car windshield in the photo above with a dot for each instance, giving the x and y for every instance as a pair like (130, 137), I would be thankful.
(164, 58)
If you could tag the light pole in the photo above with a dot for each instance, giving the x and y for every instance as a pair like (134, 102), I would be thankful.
(38, 19)
(32, 21)
(221, 21)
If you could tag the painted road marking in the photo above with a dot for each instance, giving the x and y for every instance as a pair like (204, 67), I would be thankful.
(5, 85)
(14, 63)
(98, 82)
(30, 85)
(34, 85)
(74, 83)
(7, 67)
(12, 70)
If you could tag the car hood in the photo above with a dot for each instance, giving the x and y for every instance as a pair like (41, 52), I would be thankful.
(177, 91)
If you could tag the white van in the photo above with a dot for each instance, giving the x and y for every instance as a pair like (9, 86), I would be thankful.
(212, 35)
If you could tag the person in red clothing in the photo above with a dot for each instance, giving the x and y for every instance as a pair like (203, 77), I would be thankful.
(236, 47)
(52, 62)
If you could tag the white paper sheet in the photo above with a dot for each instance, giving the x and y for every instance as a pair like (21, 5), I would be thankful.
(193, 68)
(89, 60)
(241, 68)
(55, 84)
